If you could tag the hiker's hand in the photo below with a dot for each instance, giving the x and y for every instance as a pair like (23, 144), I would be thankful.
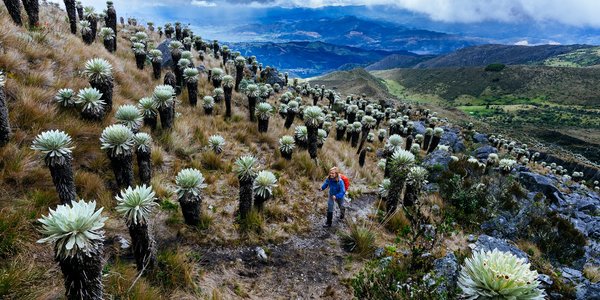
(333, 197)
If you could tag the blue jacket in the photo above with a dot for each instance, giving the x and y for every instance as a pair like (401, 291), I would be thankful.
(336, 189)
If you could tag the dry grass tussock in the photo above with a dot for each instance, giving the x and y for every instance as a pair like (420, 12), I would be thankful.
(40, 63)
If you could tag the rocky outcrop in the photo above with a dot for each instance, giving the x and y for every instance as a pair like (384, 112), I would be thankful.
(539, 183)
(446, 271)
(488, 243)
(483, 152)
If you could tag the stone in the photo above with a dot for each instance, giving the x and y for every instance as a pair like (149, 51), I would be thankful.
(446, 271)
(167, 61)
(260, 253)
(471, 238)
(452, 138)
(437, 157)
(488, 243)
(572, 275)
(480, 138)
(419, 127)
(540, 183)
(545, 280)
(588, 291)
(484, 151)
(379, 252)
(272, 77)
(123, 242)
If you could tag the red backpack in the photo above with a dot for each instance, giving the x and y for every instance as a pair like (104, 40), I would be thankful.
(346, 181)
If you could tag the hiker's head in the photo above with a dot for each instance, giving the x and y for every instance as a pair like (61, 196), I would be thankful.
(333, 173)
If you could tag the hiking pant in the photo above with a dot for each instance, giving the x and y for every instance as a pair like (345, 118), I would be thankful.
(330, 204)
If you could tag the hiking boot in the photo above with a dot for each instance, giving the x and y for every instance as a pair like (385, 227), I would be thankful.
(342, 213)
(329, 219)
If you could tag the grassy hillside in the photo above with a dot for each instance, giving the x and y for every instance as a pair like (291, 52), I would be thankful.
(38, 64)
(505, 54)
(552, 84)
(586, 57)
(542, 101)
(356, 81)
(398, 61)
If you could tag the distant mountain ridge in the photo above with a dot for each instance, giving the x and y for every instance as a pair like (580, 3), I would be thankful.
(308, 59)
(357, 32)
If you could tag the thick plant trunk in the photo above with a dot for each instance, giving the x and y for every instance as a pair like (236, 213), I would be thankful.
(386, 172)
(435, 141)
(176, 56)
(312, 141)
(14, 10)
(287, 155)
(245, 197)
(190, 208)
(140, 61)
(143, 246)
(111, 22)
(193, 92)
(4, 121)
(394, 194)
(355, 138)
(166, 117)
(208, 111)
(363, 138)
(426, 141)
(289, 120)
(93, 25)
(109, 44)
(32, 7)
(409, 142)
(259, 203)
(251, 108)
(349, 136)
(64, 182)
(178, 33)
(83, 276)
(87, 38)
(227, 91)
(351, 118)
(72, 14)
(263, 125)
(122, 166)
(106, 88)
(410, 195)
(216, 83)
(144, 163)
(239, 74)
(362, 157)
(92, 115)
(339, 134)
(150, 122)
(156, 69)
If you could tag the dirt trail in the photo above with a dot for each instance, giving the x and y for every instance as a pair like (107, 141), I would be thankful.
(309, 266)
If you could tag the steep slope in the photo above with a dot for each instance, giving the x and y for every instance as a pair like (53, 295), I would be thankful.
(555, 84)
(506, 54)
(356, 81)
(41, 62)
(394, 61)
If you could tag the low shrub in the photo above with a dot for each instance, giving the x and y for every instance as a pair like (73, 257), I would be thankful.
(359, 239)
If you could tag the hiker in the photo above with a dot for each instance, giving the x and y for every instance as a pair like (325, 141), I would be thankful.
(337, 190)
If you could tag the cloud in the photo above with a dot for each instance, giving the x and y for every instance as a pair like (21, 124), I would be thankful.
(203, 3)
(573, 12)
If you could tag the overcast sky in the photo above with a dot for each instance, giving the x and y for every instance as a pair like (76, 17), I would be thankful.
(569, 12)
